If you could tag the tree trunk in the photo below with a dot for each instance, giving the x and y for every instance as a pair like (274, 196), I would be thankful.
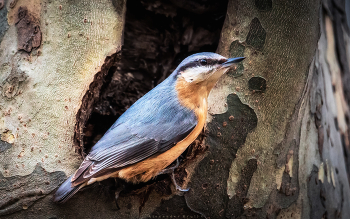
(50, 53)
(276, 144)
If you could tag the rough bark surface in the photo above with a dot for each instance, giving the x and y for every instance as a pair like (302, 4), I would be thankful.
(50, 52)
(276, 144)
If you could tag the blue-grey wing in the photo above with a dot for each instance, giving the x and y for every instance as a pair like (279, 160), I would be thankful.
(154, 124)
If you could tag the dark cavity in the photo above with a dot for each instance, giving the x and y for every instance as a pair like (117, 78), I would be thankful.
(157, 37)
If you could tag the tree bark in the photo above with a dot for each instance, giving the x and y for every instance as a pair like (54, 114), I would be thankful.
(50, 53)
(276, 143)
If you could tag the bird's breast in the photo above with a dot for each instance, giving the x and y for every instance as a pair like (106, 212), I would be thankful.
(149, 168)
(191, 95)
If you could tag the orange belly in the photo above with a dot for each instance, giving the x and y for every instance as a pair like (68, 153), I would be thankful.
(147, 169)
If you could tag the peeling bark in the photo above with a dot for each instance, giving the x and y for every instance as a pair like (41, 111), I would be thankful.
(28, 30)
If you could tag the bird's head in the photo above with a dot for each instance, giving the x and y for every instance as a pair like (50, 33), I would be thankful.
(197, 75)
(204, 69)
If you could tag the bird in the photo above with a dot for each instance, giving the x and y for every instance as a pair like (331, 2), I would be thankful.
(155, 130)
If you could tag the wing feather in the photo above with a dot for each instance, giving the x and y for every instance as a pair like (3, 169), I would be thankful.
(154, 124)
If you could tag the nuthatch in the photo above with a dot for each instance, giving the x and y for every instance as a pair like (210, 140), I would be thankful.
(155, 130)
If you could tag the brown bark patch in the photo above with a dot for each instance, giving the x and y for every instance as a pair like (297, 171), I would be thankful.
(28, 30)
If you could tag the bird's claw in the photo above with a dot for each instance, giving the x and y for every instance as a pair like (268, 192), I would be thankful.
(170, 169)
(178, 188)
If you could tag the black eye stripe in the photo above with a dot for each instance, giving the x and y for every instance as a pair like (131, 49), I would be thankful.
(215, 61)
(222, 61)
(188, 65)
(197, 62)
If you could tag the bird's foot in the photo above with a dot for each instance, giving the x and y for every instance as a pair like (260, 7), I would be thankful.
(170, 169)
(178, 188)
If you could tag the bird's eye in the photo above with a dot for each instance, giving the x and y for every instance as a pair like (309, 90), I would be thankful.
(203, 61)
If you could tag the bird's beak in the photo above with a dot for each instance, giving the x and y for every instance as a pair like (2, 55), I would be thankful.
(230, 61)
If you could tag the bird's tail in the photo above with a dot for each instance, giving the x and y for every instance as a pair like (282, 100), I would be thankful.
(66, 191)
